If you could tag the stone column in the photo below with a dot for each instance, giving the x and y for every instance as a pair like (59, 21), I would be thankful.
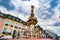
(32, 27)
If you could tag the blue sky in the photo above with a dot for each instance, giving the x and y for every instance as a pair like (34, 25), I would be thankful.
(6, 4)
(46, 11)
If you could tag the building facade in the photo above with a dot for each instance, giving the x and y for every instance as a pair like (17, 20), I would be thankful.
(17, 28)
(10, 25)
(51, 35)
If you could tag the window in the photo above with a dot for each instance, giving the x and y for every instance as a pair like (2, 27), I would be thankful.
(9, 31)
(16, 27)
(4, 30)
(6, 24)
(11, 25)
(15, 33)
(19, 27)
(1, 14)
(18, 33)
(13, 18)
(9, 16)
(20, 21)
(17, 19)
(24, 33)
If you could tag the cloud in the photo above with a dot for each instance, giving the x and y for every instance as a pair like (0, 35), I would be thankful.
(42, 11)
(54, 29)
(57, 24)
(48, 16)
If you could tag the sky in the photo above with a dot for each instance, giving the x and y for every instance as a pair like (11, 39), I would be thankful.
(47, 12)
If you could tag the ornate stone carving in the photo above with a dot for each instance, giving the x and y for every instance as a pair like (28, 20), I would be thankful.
(32, 19)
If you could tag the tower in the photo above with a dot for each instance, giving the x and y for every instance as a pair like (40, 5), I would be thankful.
(32, 19)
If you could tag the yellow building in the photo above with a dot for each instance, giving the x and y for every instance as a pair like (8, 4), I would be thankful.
(10, 25)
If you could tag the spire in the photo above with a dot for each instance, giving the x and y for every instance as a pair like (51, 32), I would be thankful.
(32, 11)
(32, 19)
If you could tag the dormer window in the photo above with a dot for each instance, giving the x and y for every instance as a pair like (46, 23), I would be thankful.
(20, 21)
(17, 19)
(1, 14)
(9, 16)
(13, 18)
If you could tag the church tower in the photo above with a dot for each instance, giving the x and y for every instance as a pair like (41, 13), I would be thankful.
(32, 19)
